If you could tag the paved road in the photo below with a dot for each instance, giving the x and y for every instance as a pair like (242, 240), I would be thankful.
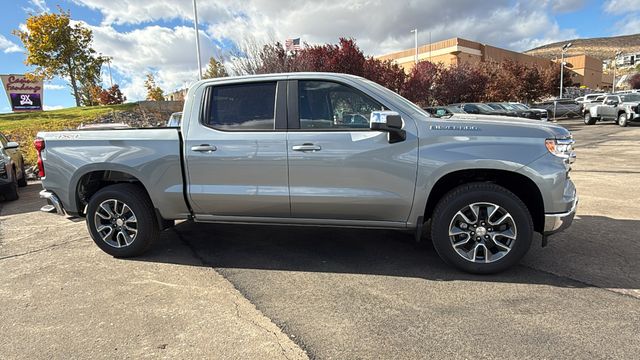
(374, 294)
(61, 297)
(335, 293)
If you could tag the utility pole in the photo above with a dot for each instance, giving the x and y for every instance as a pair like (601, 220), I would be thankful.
(195, 25)
(429, 46)
(564, 50)
(109, 67)
(615, 66)
(415, 31)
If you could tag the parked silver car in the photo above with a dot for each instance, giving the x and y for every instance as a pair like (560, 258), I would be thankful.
(12, 174)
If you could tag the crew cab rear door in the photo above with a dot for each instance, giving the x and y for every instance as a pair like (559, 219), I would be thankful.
(236, 151)
(339, 169)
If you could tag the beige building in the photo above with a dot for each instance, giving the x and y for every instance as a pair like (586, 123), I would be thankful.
(584, 70)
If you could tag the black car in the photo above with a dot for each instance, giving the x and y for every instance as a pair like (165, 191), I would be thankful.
(537, 114)
(479, 108)
(440, 111)
(508, 110)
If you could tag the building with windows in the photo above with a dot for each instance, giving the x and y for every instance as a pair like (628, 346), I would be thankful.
(583, 69)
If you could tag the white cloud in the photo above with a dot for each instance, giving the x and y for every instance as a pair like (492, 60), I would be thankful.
(52, 107)
(628, 26)
(169, 53)
(378, 26)
(137, 12)
(39, 6)
(7, 46)
(566, 5)
(621, 7)
(54, 87)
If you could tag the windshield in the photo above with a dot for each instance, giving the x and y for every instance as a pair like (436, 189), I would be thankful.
(509, 106)
(496, 106)
(520, 106)
(406, 102)
(484, 107)
(454, 109)
(630, 98)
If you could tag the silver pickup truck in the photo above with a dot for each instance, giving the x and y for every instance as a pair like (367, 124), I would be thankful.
(318, 149)
(621, 108)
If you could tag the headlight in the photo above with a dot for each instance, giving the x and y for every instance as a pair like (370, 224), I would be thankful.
(562, 148)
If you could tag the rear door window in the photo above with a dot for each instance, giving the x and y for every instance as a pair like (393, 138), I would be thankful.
(243, 107)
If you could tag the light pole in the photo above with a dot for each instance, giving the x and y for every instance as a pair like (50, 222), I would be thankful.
(415, 32)
(564, 50)
(108, 59)
(195, 25)
(615, 66)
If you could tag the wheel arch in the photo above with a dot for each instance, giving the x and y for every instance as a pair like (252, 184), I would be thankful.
(522, 186)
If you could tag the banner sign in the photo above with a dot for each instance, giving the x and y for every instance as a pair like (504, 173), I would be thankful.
(23, 93)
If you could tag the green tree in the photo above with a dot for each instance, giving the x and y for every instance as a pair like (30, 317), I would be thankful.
(215, 69)
(154, 92)
(56, 48)
(89, 81)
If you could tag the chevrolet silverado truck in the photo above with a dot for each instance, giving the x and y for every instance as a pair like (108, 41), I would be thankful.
(621, 108)
(284, 149)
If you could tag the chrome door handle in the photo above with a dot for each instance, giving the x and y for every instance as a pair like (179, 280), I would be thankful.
(306, 147)
(204, 148)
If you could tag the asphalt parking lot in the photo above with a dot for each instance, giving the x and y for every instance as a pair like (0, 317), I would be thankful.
(222, 291)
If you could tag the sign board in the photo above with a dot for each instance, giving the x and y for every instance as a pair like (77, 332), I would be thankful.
(24, 94)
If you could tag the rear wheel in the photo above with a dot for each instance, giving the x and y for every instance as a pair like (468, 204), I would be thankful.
(588, 119)
(121, 220)
(481, 228)
(11, 190)
(623, 120)
(23, 180)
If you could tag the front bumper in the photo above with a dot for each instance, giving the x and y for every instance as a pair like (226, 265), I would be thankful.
(555, 223)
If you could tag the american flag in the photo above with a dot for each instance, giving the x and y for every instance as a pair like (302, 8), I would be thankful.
(292, 44)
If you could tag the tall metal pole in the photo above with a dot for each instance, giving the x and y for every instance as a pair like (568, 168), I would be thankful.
(561, 73)
(195, 25)
(429, 46)
(615, 67)
(415, 32)
(109, 66)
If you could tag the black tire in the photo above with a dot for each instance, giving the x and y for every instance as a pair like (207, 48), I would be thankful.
(623, 120)
(11, 193)
(588, 120)
(139, 203)
(22, 182)
(457, 199)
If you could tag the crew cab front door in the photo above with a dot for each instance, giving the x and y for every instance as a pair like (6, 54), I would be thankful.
(340, 169)
(236, 158)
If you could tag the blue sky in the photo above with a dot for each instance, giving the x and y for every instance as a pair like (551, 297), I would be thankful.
(157, 36)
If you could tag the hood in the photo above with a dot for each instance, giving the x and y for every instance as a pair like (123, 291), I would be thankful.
(506, 125)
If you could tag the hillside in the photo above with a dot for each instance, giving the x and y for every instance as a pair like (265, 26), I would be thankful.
(602, 48)
(23, 127)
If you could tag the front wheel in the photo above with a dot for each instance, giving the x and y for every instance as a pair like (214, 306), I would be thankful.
(121, 220)
(623, 120)
(588, 119)
(481, 228)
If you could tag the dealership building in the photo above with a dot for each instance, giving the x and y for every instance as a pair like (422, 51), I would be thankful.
(584, 70)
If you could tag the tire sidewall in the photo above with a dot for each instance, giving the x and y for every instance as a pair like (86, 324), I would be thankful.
(508, 201)
(622, 120)
(146, 224)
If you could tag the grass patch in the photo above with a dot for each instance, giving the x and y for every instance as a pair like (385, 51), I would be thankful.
(23, 127)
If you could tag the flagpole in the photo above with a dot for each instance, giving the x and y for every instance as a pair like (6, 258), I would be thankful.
(195, 25)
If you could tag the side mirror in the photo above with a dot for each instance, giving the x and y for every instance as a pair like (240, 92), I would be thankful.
(389, 121)
(11, 145)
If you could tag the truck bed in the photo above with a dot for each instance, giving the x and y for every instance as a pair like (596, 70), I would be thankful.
(151, 155)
